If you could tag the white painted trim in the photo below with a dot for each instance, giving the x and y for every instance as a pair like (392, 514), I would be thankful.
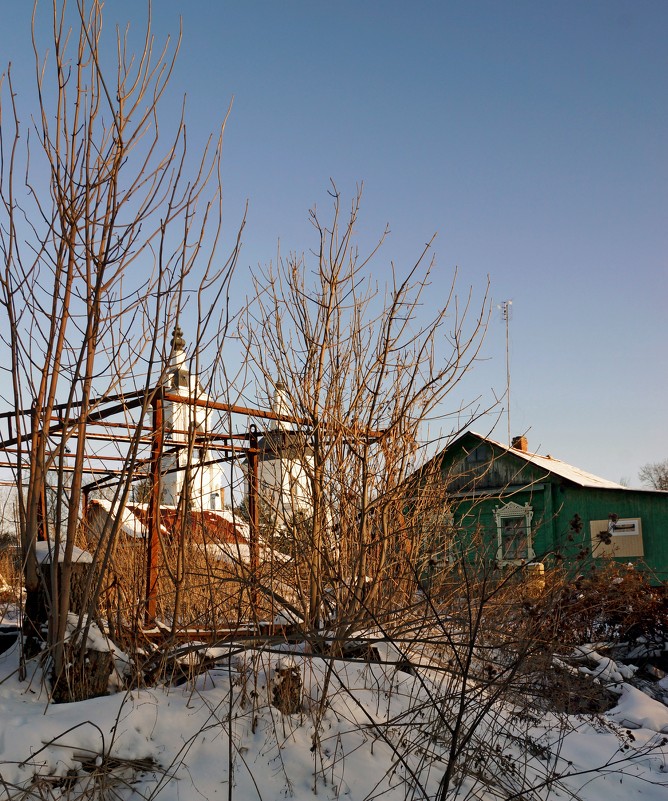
(513, 511)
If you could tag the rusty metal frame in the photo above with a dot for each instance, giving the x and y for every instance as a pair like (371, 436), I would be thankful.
(229, 446)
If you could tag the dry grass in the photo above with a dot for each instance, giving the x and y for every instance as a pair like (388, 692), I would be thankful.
(11, 578)
(195, 590)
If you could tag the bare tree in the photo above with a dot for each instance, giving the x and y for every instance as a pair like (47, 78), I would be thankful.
(362, 372)
(655, 474)
(103, 229)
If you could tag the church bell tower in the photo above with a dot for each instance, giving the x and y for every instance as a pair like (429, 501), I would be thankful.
(185, 427)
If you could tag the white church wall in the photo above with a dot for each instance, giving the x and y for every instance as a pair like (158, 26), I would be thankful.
(284, 485)
(180, 419)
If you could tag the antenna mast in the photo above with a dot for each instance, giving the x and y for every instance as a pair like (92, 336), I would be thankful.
(506, 313)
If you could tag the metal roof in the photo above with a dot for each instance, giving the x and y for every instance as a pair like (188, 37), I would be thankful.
(556, 466)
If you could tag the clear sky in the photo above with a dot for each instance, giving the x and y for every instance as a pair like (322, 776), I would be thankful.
(531, 136)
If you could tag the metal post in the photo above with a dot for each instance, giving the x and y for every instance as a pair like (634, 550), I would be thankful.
(506, 309)
(153, 545)
(253, 510)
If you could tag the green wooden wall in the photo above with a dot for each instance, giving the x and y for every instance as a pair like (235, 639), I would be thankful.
(476, 489)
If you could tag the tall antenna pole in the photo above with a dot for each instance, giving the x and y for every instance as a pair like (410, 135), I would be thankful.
(505, 316)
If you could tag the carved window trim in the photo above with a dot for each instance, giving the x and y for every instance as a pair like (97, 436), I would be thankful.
(504, 517)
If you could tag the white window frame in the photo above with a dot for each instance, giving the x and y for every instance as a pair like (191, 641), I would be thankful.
(448, 551)
(513, 511)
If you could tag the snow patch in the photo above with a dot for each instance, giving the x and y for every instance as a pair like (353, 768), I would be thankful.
(45, 550)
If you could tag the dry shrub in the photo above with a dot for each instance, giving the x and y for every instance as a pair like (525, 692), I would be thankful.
(613, 603)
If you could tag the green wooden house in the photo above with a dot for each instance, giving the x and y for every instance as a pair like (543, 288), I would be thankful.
(531, 508)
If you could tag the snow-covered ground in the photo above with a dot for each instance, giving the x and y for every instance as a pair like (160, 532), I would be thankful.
(362, 731)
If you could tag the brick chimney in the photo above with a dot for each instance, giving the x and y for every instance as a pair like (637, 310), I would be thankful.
(520, 443)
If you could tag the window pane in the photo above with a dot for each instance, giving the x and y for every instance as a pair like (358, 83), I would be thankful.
(514, 536)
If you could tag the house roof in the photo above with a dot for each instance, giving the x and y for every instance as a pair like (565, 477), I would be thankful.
(208, 526)
(574, 474)
(213, 526)
(219, 532)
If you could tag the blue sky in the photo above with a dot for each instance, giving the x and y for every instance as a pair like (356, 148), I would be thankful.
(531, 136)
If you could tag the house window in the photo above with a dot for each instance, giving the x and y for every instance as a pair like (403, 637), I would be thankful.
(447, 552)
(514, 535)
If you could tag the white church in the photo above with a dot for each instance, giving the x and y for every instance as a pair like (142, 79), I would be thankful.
(200, 475)
(285, 465)
(285, 461)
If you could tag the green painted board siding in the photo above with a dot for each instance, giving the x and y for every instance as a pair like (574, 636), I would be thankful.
(481, 476)
(650, 507)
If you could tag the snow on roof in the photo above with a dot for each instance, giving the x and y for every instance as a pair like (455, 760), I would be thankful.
(206, 526)
(221, 533)
(556, 466)
(44, 551)
(216, 525)
(131, 524)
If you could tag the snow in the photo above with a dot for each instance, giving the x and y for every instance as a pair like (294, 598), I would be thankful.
(637, 711)
(287, 616)
(552, 465)
(377, 734)
(603, 668)
(44, 551)
(239, 552)
(131, 525)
